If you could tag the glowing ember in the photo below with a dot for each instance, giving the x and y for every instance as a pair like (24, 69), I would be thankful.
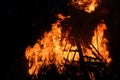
(86, 5)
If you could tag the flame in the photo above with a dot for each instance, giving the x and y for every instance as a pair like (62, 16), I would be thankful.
(50, 50)
(53, 49)
(100, 41)
(98, 44)
(86, 5)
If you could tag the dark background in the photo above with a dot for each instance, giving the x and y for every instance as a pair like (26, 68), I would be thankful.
(23, 20)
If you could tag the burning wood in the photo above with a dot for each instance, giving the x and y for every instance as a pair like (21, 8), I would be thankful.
(99, 44)
(61, 48)
(54, 49)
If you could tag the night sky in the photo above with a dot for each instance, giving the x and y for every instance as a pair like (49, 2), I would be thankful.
(23, 20)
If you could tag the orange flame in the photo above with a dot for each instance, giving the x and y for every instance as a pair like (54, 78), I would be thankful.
(50, 50)
(53, 49)
(98, 44)
(86, 5)
(100, 41)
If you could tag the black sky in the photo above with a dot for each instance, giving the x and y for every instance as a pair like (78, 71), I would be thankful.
(23, 20)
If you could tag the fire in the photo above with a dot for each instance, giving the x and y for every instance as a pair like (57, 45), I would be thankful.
(100, 41)
(50, 49)
(53, 49)
(86, 5)
(98, 44)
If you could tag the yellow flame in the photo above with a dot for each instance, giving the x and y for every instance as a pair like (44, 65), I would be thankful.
(86, 5)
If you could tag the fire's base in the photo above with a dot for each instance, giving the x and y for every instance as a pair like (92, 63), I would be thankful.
(95, 71)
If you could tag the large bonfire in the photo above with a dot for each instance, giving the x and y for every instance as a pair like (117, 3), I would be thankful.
(53, 48)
